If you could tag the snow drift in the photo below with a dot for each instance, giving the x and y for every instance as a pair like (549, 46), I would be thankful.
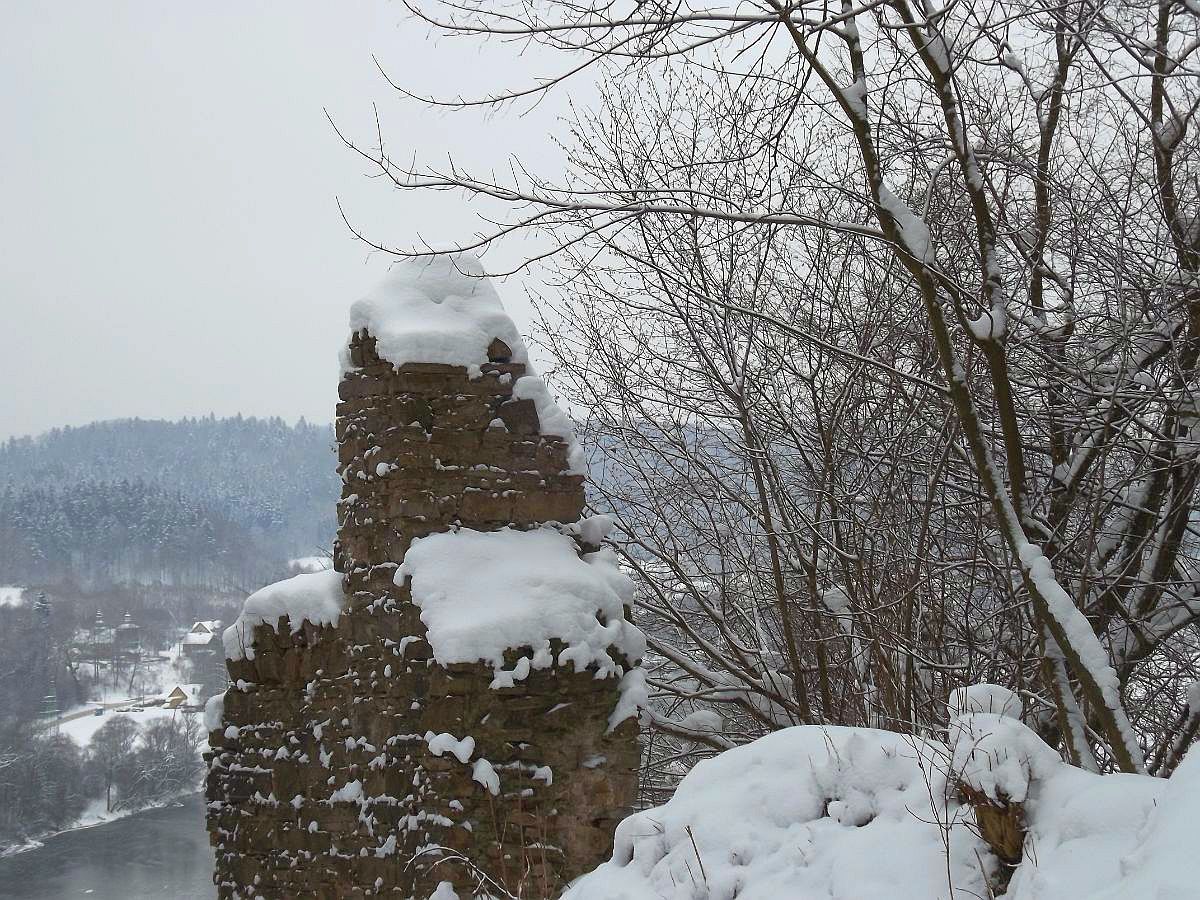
(807, 812)
(827, 813)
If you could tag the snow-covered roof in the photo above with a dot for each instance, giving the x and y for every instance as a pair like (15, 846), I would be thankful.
(484, 592)
(11, 596)
(443, 309)
(314, 597)
(194, 638)
(206, 626)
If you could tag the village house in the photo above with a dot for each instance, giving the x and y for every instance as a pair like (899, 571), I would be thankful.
(185, 697)
(201, 638)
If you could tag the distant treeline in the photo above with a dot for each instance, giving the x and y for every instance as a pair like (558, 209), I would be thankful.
(212, 502)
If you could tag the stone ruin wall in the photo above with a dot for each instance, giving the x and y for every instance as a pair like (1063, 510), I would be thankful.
(418, 451)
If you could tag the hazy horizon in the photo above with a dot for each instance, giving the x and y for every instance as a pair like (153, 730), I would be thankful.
(290, 421)
(173, 241)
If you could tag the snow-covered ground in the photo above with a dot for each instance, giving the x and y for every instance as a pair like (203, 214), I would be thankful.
(81, 729)
(804, 813)
(310, 564)
(826, 813)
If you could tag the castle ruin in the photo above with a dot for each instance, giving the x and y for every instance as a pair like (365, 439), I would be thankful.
(450, 711)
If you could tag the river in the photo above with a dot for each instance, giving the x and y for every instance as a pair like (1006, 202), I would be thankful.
(160, 853)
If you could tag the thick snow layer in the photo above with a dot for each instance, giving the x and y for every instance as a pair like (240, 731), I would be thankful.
(440, 309)
(806, 813)
(985, 698)
(1160, 859)
(1110, 837)
(310, 564)
(811, 813)
(484, 592)
(443, 309)
(998, 756)
(11, 596)
(315, 597)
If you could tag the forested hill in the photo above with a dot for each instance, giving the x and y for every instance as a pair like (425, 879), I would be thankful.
(195, 501)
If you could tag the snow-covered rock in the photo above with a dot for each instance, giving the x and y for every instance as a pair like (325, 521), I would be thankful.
(314, 597)
(806, 813)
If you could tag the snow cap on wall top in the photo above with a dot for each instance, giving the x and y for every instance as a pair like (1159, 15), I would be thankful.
(444, 309)
(435, 309)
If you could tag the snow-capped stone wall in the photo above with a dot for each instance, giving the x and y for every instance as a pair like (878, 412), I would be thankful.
(466, 714)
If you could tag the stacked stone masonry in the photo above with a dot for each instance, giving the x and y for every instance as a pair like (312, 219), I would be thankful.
(315, 711)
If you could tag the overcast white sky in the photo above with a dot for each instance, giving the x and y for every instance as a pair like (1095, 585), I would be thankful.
(171, 243)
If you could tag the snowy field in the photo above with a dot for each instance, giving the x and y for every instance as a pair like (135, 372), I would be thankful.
(81, 729)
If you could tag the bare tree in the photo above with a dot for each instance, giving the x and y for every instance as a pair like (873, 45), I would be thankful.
(112, 754)
(1024, 174)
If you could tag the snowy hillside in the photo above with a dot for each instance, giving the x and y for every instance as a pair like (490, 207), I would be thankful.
(199, 501)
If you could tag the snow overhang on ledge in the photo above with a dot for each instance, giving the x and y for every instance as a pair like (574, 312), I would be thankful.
(311, 597)
(483, 593)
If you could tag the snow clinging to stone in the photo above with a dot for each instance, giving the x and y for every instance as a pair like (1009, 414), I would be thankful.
(314, 597)
(484, 592)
